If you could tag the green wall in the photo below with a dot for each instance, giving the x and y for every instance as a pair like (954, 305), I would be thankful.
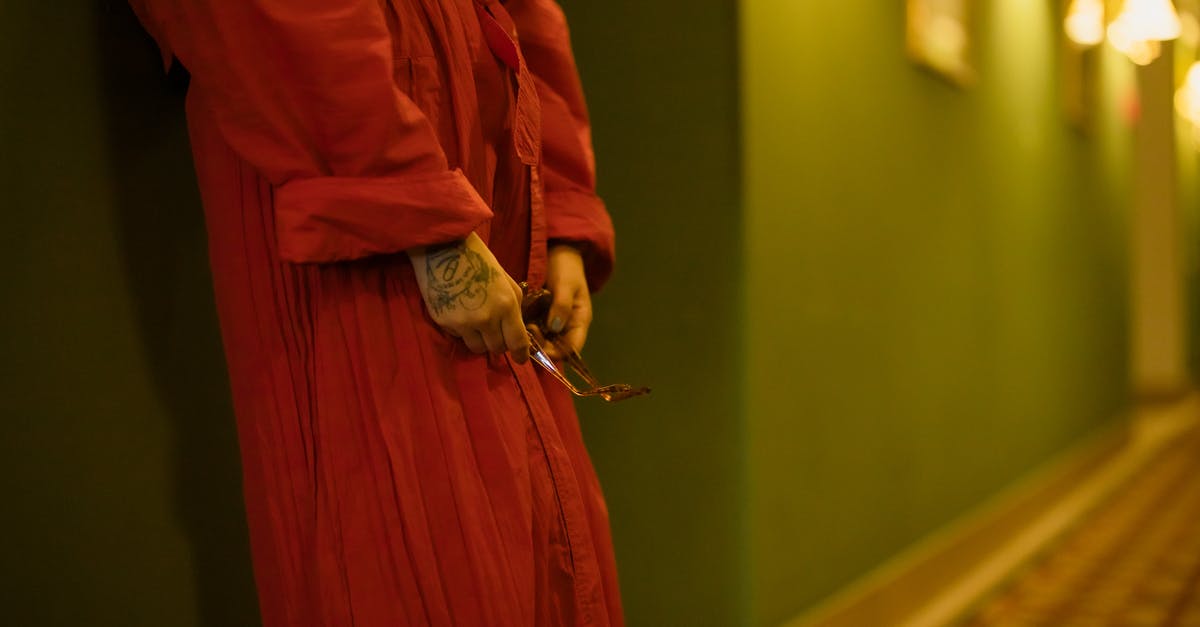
(935, 278)
(661, 80)
(118, 458)
(1187, 152)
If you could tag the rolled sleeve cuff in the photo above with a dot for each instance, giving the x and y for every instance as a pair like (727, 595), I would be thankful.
(334, 218)
(580, 217)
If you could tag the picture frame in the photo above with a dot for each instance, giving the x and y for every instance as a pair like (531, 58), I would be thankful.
(940, 38)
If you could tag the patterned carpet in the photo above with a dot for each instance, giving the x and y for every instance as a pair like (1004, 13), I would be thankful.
(1135, 562)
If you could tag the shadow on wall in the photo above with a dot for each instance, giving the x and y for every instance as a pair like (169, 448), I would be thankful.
(161, 230)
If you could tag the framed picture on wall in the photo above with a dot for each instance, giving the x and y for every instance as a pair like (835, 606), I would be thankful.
(939, 38)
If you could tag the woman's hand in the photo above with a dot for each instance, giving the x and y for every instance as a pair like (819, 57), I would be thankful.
(571, 312)
(471, 297)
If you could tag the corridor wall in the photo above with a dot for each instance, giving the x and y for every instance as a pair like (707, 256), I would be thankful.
(935, 279)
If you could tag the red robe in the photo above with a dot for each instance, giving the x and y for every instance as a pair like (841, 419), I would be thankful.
(392, 477)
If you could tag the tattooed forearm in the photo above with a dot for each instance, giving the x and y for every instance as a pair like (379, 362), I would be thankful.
(456, 276)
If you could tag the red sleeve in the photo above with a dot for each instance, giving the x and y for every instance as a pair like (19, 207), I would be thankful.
(573, 210)
(304, 90)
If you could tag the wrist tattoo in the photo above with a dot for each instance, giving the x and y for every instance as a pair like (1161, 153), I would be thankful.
(456, 277)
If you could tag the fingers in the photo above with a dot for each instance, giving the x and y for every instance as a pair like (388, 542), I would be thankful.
(508, 335)
(515, 337)
(576, 334)
(560, 311)
(474, 341)
(493, 339)
(517, 293)
(572, 338)
(512, 327)
(499, 331)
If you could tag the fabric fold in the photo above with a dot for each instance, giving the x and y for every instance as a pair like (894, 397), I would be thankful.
(332, 218)
(579, 217)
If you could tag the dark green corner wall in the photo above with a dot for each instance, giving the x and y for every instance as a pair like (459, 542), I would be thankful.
(117, 451)
(661, 81)
(936, 278)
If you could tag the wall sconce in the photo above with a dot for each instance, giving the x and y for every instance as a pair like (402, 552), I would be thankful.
(1142, 26)
(939, 38)
(1187, 97)
(1085, 22)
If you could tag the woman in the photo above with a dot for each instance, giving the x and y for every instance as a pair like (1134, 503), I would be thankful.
(376, 176)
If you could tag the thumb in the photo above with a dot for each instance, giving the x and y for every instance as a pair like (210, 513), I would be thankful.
(560, 312)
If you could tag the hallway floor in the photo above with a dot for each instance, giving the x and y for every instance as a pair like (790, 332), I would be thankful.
(1134, 562)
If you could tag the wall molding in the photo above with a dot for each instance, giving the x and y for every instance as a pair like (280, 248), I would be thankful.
(940, 578)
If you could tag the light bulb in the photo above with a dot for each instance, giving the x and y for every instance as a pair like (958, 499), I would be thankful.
(1149, 20)
(1085, 22)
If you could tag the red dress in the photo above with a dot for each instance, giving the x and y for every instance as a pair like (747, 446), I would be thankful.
(392, 477)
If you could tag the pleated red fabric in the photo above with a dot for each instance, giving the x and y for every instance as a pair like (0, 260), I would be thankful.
(391, 476)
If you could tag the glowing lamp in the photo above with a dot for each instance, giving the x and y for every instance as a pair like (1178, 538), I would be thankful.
(1187, 98)
(1142, 26)
(1140, 51)
(1085, 22)
(1148, 20)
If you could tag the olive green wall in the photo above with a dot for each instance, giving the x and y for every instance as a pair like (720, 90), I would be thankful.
(118, 459)
(936, 280)
(661, 80)
(1187, 152)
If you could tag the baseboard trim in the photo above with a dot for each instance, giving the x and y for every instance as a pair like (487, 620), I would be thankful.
(940, 578)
